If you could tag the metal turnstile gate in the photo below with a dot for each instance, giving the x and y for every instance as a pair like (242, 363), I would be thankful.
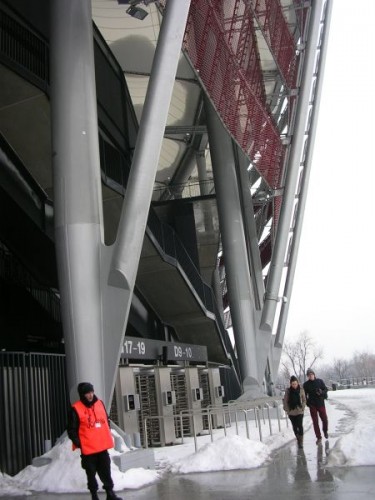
(178, 383)
(145, 384)
(206, 401)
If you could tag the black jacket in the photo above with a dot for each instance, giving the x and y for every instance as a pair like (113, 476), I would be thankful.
(316, 392)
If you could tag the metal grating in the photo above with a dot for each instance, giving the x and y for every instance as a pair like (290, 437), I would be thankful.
(146, 388)
(33, 406)
(206, 401)
(178, 384)
(221, 43)
(271, 20)
(20, 45)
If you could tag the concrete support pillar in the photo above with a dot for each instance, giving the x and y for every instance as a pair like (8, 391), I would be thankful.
(234, 246)
(77, 189)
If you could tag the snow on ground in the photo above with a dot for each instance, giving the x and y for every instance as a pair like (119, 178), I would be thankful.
(65, 475)
(356, 428)
(351, 417)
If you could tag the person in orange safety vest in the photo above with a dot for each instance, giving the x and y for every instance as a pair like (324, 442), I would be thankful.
(88, 428)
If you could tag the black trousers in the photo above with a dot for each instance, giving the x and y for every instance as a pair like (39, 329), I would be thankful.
(297, 423)
(97, 463)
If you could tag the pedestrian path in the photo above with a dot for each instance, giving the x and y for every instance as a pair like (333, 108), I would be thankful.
(292, 474)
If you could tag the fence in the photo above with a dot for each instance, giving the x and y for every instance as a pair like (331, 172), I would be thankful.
(229, 411)
(33, 403)
(347, 383)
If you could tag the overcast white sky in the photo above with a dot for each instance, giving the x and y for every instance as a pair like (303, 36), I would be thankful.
(333, 293)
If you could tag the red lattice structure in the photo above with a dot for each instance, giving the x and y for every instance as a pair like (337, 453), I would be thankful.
(276, 208)
(221, 43)
(272, 22)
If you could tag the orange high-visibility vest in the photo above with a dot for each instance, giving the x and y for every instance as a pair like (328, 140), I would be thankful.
(94, 432)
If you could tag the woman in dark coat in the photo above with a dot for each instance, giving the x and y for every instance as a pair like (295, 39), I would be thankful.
(294, 403)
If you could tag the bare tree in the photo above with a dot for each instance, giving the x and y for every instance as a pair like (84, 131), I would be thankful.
(364, 364)
(341, 368)
(300, 355)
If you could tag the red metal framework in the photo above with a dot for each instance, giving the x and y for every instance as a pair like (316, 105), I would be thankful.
(221, 43)
(276, 208)
(272, 22)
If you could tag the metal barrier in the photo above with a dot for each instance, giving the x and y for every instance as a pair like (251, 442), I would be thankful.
(33, 405)
(227, 410)
(354, 382)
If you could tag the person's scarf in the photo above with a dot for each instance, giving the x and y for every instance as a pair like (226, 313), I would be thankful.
(294, 398)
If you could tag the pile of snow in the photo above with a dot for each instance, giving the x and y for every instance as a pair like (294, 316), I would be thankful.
(8, 487)
(64, 474)
(351, 417)
(227, 453)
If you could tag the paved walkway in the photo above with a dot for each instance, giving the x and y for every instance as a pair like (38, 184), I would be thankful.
(293, 474)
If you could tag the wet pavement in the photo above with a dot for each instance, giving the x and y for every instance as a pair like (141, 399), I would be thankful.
(292, 474)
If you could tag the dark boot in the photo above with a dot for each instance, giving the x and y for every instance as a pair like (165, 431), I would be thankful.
(300, 441)
(111, 495)
(94, 496)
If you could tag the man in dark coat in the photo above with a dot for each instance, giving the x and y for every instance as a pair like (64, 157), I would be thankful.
(88, 428)
(316, 392)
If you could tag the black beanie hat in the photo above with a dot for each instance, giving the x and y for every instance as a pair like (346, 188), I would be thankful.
(293, 378)
(310, 370)
(84, 387)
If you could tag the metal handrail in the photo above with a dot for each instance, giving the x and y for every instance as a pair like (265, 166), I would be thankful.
(257, 406)
(189, 189)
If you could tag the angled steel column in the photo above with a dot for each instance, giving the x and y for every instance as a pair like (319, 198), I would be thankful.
(305, 182)
(282, 237)
(250, 229)
(234, 246)
(263, 337)
(137, 201)
(77, 188)
(202, 173)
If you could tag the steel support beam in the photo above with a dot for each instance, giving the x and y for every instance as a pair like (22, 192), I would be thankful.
(282, 237)
(77, 189)
(255, 264)
(96, 281)
(148, 146)
(234, 246)
(305, 182)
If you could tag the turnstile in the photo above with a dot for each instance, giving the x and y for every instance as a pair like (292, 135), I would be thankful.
(178, 384)
(213, 393)
(146, 389)
(168, 400)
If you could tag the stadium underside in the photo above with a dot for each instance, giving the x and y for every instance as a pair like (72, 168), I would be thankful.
(152, 186)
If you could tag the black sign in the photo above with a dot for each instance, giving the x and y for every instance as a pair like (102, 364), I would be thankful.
(137, 348)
